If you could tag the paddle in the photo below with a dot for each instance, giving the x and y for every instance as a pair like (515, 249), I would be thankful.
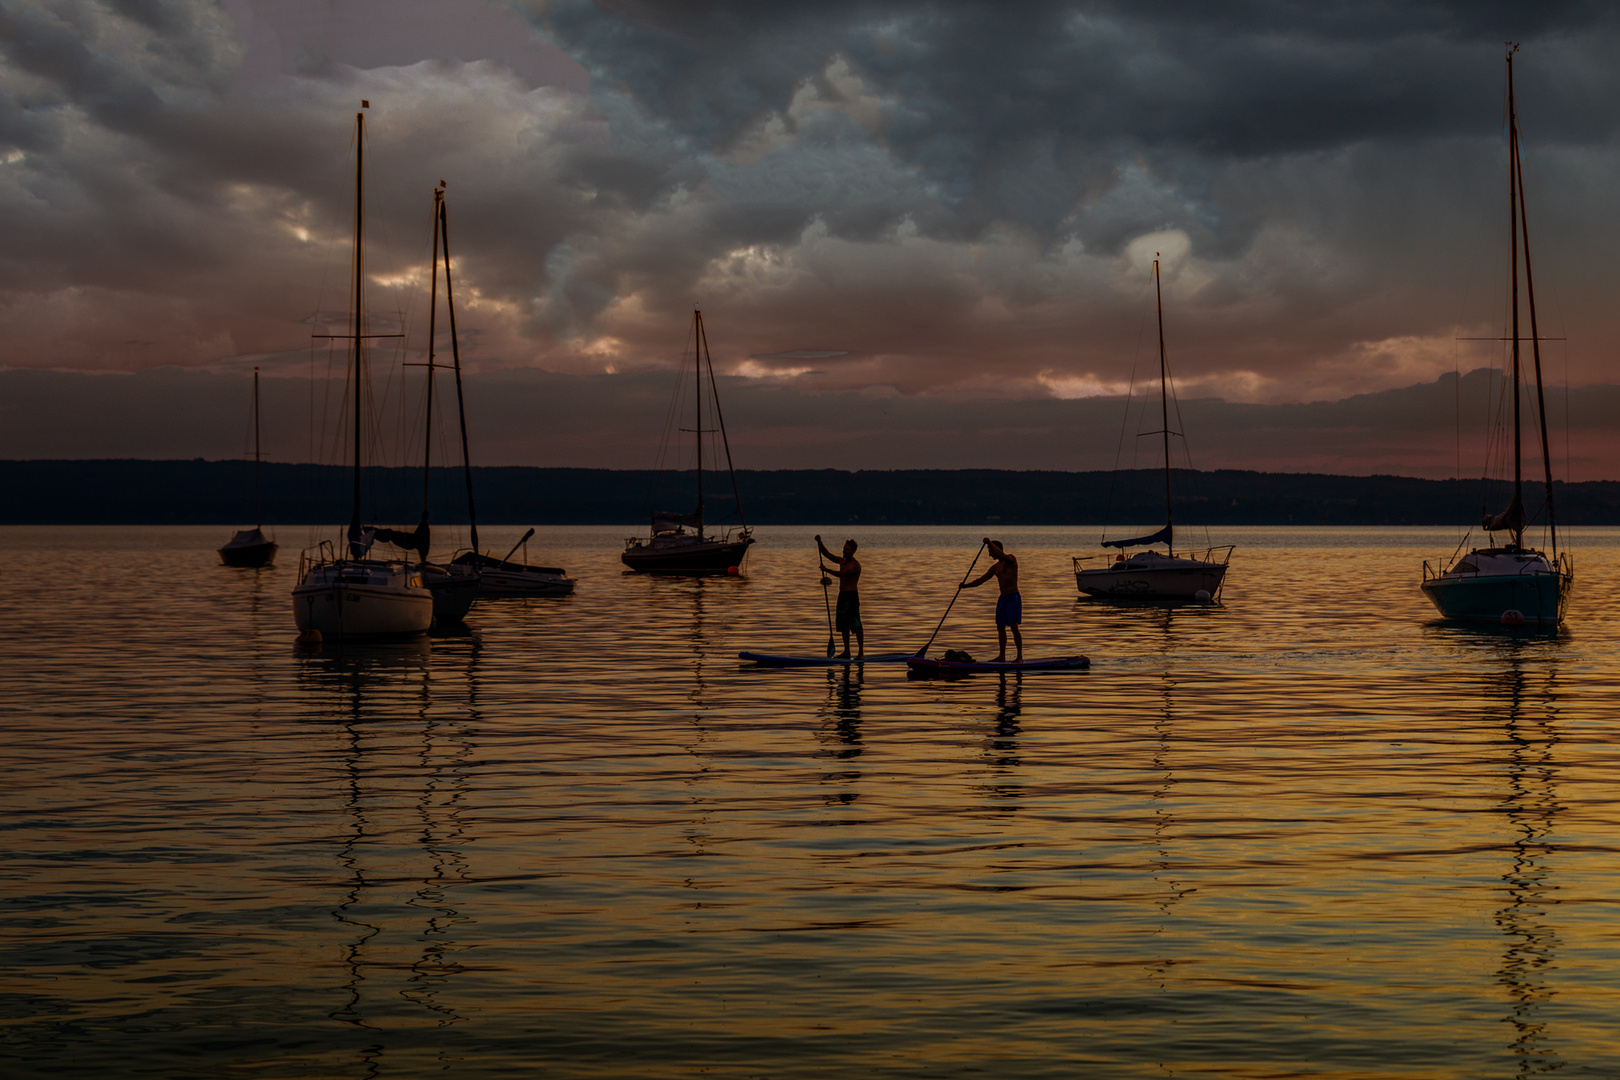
(517, 545)
(924, 650)
(825, 602)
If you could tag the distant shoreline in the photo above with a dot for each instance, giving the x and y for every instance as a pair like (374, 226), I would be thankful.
(198, 492)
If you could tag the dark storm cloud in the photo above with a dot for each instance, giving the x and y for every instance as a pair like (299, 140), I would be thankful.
(1329, 177)
(867, 199)
(1016, 112)
(153, 195)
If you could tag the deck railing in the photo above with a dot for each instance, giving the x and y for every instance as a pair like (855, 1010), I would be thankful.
(1208, 555)
(324, 553)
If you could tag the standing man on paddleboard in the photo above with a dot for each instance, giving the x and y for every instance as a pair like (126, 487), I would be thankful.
(1009, 605)
(847, 616)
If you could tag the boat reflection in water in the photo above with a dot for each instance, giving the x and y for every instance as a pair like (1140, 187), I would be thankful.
(1529, 807)
(402, 752)
(1522, 708)
(1172, 888)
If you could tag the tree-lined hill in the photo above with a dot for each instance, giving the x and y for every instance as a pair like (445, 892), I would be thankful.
(221, 493)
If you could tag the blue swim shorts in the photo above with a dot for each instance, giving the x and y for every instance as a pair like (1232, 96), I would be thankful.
(1009, 609)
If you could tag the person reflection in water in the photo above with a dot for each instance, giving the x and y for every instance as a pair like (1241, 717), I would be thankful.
(1009, 605)
(847, 616)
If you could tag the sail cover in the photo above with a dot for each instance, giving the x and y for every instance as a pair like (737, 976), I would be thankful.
(670, 521)
(1160, 537)
(359, 540)
(1510, 520)
(410, 541)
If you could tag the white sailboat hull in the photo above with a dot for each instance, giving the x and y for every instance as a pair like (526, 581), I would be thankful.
(394, 606)
(1153, 577)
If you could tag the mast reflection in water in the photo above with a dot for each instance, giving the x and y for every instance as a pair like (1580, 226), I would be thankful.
(401, 851)
(1530, 808)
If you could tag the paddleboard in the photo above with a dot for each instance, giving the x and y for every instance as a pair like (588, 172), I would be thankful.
(923, 664)
(771, 660)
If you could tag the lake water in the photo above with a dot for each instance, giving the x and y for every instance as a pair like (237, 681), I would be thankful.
(1308, 832)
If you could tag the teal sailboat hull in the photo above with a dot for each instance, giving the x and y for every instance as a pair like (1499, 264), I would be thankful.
(1540, 598)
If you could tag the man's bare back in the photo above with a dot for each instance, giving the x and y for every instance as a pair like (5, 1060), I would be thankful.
(1005, 570)
(1010, 605)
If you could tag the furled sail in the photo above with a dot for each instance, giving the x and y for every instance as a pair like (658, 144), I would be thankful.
(670, 521)
(1510, 520)
(360, 540)
(410, 541)
(1160, 537)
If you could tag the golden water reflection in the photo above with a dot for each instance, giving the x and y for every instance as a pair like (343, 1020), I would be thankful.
(1305, 832)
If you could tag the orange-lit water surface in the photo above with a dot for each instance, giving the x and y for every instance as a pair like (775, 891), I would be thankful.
(1306, 832)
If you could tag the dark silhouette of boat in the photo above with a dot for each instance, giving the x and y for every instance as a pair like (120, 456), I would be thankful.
(250, 547)
(1511, 583)
(1150, 574)
(680, 543)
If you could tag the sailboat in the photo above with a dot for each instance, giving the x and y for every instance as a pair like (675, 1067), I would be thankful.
(1511, 583)
(1151, 574)
(454, 588)
(490, 576)
(680, 543)
(356, 596)
(510, 577)
(250, 547)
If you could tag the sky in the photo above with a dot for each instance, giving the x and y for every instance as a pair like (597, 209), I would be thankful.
(897, 217)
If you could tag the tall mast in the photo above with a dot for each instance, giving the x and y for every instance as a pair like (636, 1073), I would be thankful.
(1164, 408)
(258, 470)
(433, 311)
(1513, 233)
(1530, 300)
(356, 319)
(697, 399)
(455, 353)
(720, 422)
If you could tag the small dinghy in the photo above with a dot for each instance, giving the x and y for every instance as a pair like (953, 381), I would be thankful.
(924, 665)
(770, 660)
(248, 548)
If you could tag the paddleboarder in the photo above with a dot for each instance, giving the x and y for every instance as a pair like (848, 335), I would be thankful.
(847, 615)
(1009, 605)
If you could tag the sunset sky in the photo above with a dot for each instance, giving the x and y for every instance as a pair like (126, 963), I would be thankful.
(920, 203)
